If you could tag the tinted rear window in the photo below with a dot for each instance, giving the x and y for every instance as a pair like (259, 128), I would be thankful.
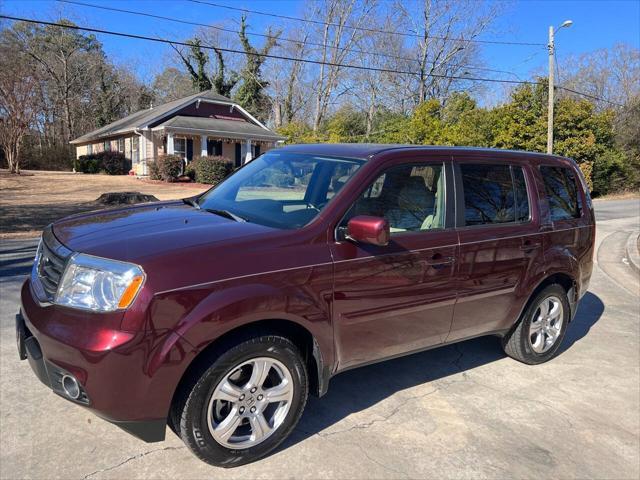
(562, 192)
(494, 194)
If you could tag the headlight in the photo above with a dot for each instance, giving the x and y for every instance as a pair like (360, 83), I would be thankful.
(95, 283)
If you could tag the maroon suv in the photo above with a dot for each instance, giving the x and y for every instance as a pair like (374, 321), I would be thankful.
(218, 314)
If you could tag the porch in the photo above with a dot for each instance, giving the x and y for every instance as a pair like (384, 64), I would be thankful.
(193, 137)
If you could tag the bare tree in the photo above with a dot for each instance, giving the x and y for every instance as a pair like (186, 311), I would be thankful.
(287, 83)
(611, 74)
(172, 84)
(337, 38)
(63, 57)
(18, 107)
(444, 44)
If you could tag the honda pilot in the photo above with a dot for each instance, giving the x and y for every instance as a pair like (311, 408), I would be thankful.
(219, 314)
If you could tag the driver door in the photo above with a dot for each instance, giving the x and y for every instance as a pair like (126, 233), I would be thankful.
(399, 298)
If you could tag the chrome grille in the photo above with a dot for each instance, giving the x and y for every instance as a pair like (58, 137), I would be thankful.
(52, 261)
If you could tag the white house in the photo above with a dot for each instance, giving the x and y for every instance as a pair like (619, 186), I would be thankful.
(202, 124)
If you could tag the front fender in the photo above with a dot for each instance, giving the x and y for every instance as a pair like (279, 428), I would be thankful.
(201, 315)
(226, 309)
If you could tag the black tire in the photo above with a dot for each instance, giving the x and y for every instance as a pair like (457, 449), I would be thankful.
(189, 413)
(518, 345)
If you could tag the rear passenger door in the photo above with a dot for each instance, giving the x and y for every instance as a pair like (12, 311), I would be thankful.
(498, 230)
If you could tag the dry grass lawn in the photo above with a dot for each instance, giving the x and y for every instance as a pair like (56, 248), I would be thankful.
(32, 200)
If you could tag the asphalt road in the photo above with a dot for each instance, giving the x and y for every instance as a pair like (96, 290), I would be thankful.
(459, 411)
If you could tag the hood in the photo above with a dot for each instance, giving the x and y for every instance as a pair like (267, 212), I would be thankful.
(144, 231)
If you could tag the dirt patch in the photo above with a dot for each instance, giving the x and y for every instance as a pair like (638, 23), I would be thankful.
(29, 202)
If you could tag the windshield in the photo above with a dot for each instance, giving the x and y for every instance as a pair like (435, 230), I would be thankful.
(281, 190)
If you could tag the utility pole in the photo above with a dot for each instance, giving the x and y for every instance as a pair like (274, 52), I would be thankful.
(551, 47)
(551, 79)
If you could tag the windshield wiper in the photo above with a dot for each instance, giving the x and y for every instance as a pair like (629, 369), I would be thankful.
(226, 213)
(193, 201)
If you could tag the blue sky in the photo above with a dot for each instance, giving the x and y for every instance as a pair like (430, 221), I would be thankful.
(597, 24)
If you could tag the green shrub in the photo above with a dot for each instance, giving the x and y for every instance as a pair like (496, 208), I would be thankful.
(112, 163)
(190, 169)
(88, 164)
(169, 167)
(610, 171)
(154, 171)
(212, 170)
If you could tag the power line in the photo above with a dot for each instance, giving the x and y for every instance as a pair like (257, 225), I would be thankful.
(293, 59)
(365, 29)
(592, 97)
(264, 55)
(222, 29)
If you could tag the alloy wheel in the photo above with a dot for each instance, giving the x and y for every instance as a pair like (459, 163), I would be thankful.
(250, 403)
(546, 324)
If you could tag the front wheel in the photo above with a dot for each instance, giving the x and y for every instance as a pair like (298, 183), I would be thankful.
(245, 404)
(539, 333)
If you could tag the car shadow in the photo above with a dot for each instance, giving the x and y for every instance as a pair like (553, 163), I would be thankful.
(590, 309)
(359, 389)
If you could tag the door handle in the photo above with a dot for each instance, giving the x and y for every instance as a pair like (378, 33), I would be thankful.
(438, 259)
(527, 247)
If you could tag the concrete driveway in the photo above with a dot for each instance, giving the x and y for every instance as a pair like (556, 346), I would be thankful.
(455, 412)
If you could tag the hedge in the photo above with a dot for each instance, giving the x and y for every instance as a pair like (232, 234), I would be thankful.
(112, 163)
(211, 170)
(166, 167)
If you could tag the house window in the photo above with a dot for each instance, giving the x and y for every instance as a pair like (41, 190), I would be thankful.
(135, 151)
(107, 146)
(214, 147)
(90, 149)
(180, 147)
(121, 145)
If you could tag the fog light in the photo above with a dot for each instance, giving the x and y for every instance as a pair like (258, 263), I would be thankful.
(71, 387)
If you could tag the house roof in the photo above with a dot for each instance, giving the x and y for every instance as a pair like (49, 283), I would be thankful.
(143, 118)
(222, 127)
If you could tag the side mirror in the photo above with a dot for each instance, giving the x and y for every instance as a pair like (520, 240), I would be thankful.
(371, 230)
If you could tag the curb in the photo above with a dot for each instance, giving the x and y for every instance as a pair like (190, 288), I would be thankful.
(633, 244)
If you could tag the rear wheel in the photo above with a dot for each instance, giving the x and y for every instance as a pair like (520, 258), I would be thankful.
(539, 333)
(245, 404)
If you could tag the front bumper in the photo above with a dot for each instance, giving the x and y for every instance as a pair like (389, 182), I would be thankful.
(116, 384)
(48, 373)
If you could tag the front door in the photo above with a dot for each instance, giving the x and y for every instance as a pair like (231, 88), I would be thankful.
(399, 298)
(499, 243)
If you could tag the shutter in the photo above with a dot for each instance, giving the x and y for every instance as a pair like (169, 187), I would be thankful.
(210, 147)
(189, 149)
(219, 148)
(256, 151)
(238, 155)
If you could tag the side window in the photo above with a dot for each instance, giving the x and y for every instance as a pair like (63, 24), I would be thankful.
(562, 193)
(489, 194)
(410, 197)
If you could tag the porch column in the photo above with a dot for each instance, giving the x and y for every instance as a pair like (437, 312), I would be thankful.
(248, 155)
(203, 145)
(170, 149)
